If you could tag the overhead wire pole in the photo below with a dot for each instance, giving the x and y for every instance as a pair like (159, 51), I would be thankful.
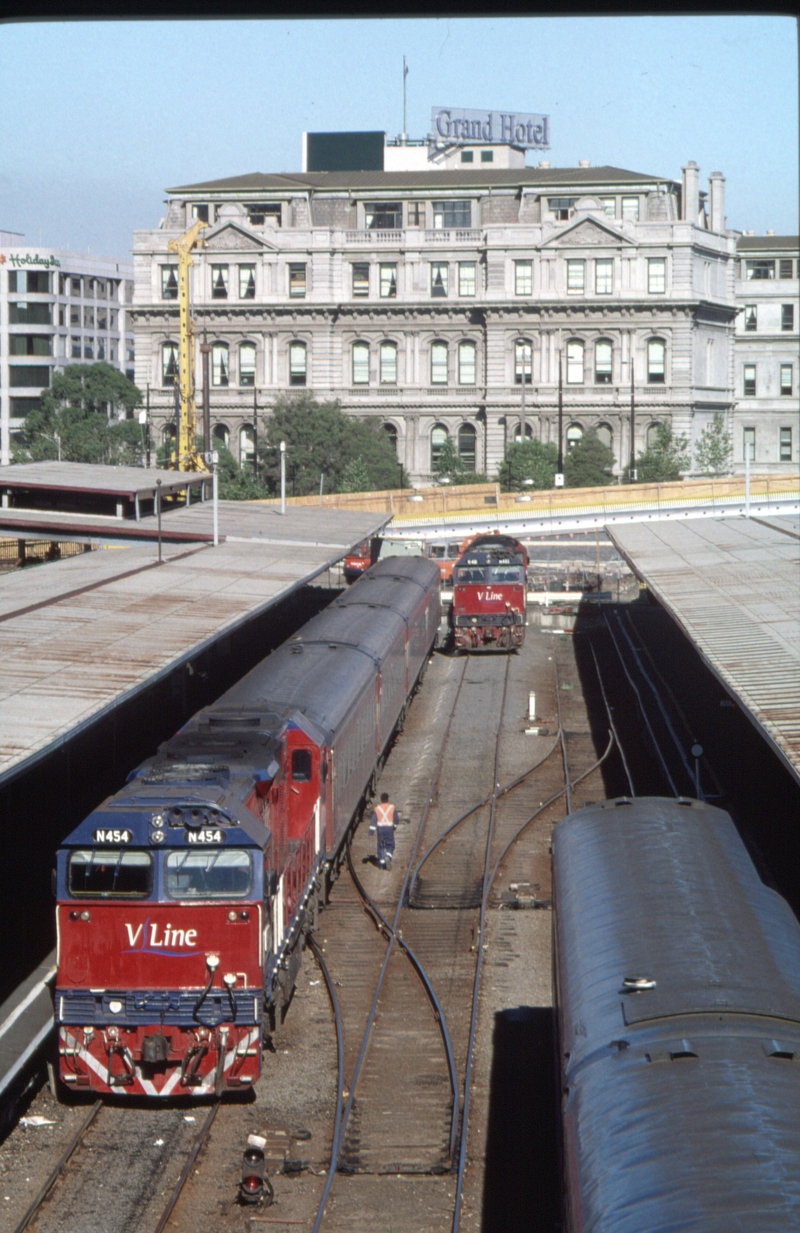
(632, 468)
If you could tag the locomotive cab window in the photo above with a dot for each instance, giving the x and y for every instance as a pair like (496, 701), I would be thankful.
(214, 873)
(470, 574)
(506, 573)
(301, 765)
(110, 873)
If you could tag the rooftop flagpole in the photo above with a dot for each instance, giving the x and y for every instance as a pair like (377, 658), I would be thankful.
(405, 74)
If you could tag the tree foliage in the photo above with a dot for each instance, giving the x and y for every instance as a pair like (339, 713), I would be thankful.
(322, 440)
(713, 453)
(589, 463)
(449, 466)
(531, 459)
(73, 419)
(664, 460)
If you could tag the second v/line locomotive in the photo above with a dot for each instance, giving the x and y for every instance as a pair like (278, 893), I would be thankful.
(183, 899)
(490, 595)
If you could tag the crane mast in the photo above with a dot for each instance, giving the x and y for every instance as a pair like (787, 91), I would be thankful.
(187, 456)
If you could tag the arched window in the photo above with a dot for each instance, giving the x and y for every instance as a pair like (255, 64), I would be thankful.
(247, 445)
(575, 362)
(168, 435)
(574, 434)
(523, 352)
(467, 441)
(466, 363)
(247, 364)
(169, 363)
(439, 436)
(655, 361)
(220, 436)
(518, 432)
(652, 434)
(388, 357)
(220, 371)
(297, 363)
(439, 363)
(602, 362)
(360, 363)
(605, 434)
(391, 433)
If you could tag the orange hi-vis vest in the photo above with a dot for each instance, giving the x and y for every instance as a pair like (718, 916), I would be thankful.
(384, 815)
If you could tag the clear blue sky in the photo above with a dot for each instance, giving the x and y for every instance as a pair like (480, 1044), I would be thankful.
(98, 118)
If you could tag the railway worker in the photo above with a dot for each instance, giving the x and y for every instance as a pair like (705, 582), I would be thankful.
(384, 820)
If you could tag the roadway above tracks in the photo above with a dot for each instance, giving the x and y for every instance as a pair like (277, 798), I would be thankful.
(732, 587)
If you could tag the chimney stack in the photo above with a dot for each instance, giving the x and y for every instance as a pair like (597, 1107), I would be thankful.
(690, 196)
(716, 193)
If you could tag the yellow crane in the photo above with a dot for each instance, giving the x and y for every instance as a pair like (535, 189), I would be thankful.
(188, 458)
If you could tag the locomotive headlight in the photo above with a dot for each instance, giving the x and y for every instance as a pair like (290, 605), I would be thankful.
(86, 915)
(115, 1007)
(157, 837)
(157, 820)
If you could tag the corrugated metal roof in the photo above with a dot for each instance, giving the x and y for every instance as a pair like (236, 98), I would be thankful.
(466, 177)
(732, 586)
(79, 636)
(767, 243)
(86, 477)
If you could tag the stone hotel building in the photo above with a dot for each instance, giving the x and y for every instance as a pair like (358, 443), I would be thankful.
(422, 294)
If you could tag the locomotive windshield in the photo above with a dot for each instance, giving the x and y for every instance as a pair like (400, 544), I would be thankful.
(471, 573)
(110, 873)
(214, 873)
(506, 573)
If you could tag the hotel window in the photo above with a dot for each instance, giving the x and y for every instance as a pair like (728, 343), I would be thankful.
(20, 313)
(523, 352)
(88, 318)
(388, 281)
(609, 204)
(200, 213)
(112, 351)
(439, 363)
(758, 271)
(383, 215)
(604, 276)
(575, 363)
(630, 209)
(487, 156)
(75, 286)
(655, 361)
(656, 275)
(247, 364)
(101, 349)
(416, 214)
(360, 363)
(360, 279)
(561, 207)
(785, 267)
(751, 318)
(576, 274)
(466, 363)
(88, 348)
(297, 279)
(220, 370)
(297, 363)
(169, 282)
(219, 282)
(75, 350)
(452, 214)
(34, 281)
(257, 214)
(101, 289)
(749, 376)
(602, 362)
(467, 441)
(30, 344)
(523, 277)
(787, 383)
(388, 362)
(247, 282)
(787, 316)
(75, 315)
(439, 271)
(102, 318)
(786, 444)
(113, 320)
(466, 278)
(750, 444)
(467, 156)
(88, 288)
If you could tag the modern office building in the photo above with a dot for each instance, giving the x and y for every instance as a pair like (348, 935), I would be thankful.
(424, 293)
(56, 308)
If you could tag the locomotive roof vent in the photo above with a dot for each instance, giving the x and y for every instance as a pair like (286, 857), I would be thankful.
(234, 721)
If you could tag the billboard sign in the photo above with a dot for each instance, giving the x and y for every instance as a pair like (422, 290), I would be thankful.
(460, 127)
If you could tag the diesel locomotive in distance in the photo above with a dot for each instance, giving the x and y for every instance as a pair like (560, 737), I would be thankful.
(183, 899)
(677, 976)
(490, 595)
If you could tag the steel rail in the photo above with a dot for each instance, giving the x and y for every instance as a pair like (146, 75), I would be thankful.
(645, 716)
(337, 1014)
(611, 721)
(58, 1170)
(337, 1145)
(181, 1182)
(473, 1025)
(429, 989)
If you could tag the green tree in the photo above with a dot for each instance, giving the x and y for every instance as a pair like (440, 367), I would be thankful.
(72, 420)
(664, 460)
(355, 476)
(713, 454)
(589, 463)
(321, 439)
(449, 466)
(531, 459)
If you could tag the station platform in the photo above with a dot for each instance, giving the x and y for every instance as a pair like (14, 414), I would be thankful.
(731, 585)
(26, 1021)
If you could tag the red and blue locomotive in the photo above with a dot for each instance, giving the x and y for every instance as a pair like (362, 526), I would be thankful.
(490, 595)
(184, 898)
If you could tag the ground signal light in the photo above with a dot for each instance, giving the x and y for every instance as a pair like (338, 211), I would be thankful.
(255, 1186)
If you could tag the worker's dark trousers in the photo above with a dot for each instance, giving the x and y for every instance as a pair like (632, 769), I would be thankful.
(385, 843)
